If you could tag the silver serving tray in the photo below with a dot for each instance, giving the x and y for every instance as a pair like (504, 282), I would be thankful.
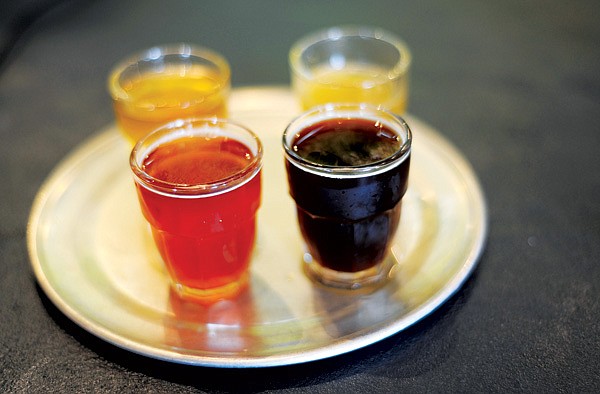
(93, 256)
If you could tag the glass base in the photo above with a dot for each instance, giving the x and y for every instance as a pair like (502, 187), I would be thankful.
(371, 277)
(209, 296)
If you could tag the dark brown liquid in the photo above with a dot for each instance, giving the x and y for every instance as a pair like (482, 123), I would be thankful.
(347, 223)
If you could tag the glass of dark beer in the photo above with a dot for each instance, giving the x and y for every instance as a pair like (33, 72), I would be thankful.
(347, 168)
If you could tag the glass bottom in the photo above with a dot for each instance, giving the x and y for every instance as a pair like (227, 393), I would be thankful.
(371, 277)
(207, 296)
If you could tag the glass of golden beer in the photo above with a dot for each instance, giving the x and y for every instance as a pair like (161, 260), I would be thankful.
(164, 83)
(351, 64)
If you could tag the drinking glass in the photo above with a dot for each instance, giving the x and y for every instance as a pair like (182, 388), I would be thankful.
(198, 183)
(351, 64)
(165, 83)
(347, 167)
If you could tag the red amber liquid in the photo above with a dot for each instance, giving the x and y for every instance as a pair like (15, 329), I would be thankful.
(205, 241)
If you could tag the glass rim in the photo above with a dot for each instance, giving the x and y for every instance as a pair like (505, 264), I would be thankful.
(338, 32)
(344, 110)
(158, 52)
(183, 128)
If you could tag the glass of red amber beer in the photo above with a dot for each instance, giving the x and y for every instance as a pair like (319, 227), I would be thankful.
(199, 185)
(347, 168)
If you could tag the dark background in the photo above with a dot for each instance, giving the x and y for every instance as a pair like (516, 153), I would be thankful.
(514, 85)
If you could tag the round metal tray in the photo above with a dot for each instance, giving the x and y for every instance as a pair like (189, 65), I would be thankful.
(93, 256)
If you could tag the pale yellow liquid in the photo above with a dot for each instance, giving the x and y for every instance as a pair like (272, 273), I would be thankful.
(353, 84)
(156, 99)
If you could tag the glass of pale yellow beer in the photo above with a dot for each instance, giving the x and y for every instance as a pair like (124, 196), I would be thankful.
(351, 64)
(164, 83)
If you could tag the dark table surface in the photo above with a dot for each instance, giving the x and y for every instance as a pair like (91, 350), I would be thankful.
(514, 85)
